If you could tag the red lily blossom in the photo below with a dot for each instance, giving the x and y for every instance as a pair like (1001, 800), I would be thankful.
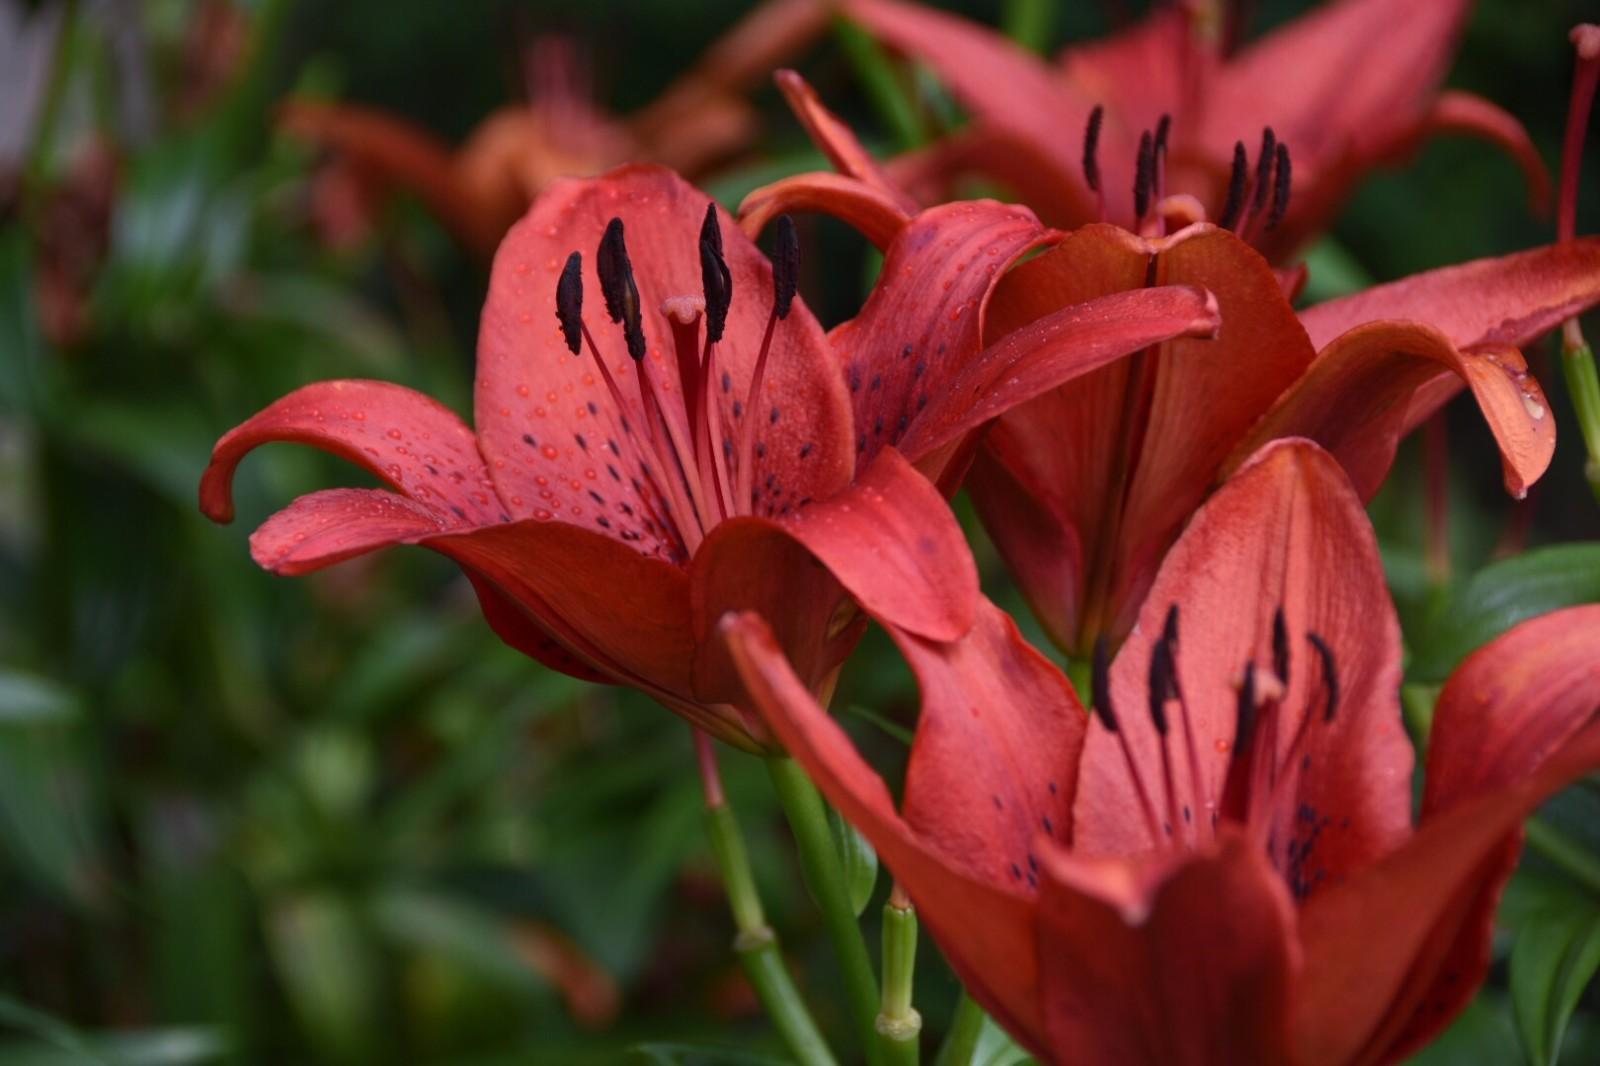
(1083, 490)
(1220, 867)
(478, 190)
(622, 491)
(1351, 86)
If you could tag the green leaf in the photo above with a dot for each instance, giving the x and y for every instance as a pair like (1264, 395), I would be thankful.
(860, 862)
(27, 699)
(55, 1043)
(1501, 595)
(996, 1048)
(1555, 956)
(1481, 1034)
(330, 970)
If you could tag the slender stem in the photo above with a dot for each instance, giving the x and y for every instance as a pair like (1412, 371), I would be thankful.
(899, 1025)
(1029, 22)
(40, 152)
(1583, 386)
(756, 944)
(824, 875)
(1565, 852)
(961, 1043)
(881, 85)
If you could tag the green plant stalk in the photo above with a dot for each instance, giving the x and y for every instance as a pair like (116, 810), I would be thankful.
(1028, 22)
(757, 946)
(1556, 846)
(899, 1025)
(961, 1042)
(882, 86)
(1583, 385)
(824, 875)
(40, 152)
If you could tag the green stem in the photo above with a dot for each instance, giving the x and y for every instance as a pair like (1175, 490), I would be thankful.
(883, 88)
(757, 945)
(1564, 852)
(1028, 22)
(899, 1025)
(1583, 385)
(54, 96)
(961, 1043)
(824, 875)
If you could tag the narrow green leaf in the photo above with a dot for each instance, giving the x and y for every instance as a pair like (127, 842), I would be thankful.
(1554, 958)
(860, 861)
(1498, 597)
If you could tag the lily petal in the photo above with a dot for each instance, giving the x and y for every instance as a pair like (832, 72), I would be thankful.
(1340, 79)
(871, 212)
(573, 579)
(1400, 946)
(520, 628)
(1509, 300)
(889, 540)
(412, 442)
(961, 849)
(1287, 531)
(1174, 957)
(403, 155)
(1203, 396)
(333, 525)
(1056, 349)
(836, 140)
(924, 319)
(546, 421)
(1355, 399)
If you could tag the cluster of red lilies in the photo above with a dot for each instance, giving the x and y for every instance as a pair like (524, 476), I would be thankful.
(680, 482)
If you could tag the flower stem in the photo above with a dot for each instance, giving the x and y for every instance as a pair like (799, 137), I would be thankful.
(1563, 851)
(1029, 22)
(1583, 385)
(878, 78)
(961, 1043)
(899, 1025)
(756, 944)
(824, 875)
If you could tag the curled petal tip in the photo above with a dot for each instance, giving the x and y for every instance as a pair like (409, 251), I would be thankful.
(1208, 323)
(216, 493)
(1586, 38)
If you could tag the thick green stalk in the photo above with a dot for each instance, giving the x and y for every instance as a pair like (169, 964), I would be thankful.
(1583, 385)
(882, 86)
(824, 874)
(1029, 22)
(757, 945)
(961, 1042)
(899, 1025)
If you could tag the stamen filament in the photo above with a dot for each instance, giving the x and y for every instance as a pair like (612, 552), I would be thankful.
(744, 494)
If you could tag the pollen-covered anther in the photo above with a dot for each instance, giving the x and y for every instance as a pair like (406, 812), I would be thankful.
(1238, 180)
(1091, 149)
(785, 267)
(1144, 174)
(1280, 187)
(569, 302)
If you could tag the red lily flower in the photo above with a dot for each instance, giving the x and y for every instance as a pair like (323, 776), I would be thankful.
(1083, 490)
(1300, 82)
(1234, 877)
(478, 190)
(621, 492)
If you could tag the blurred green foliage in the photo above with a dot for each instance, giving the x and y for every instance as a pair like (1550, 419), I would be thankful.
(335, 820)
